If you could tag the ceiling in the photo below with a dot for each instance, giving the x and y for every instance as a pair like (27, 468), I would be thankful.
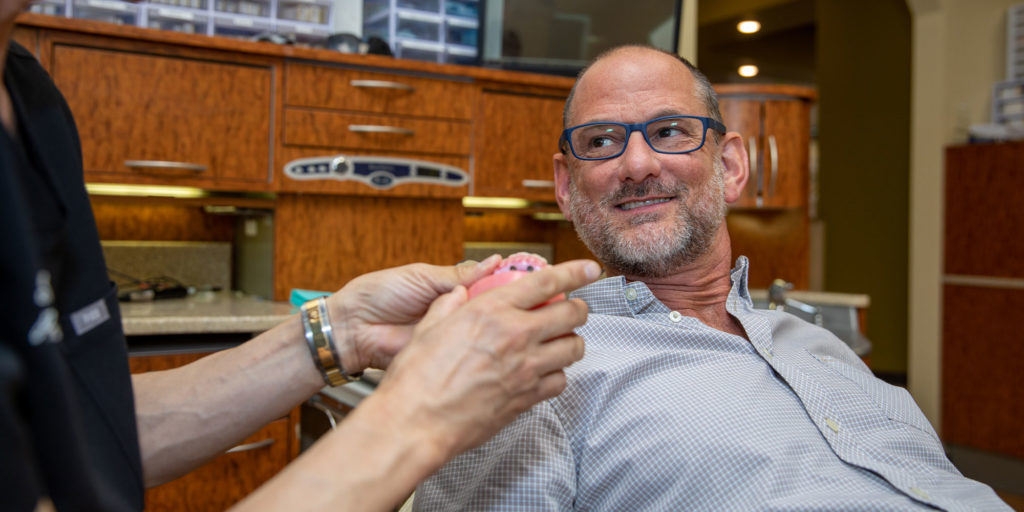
(783, 50)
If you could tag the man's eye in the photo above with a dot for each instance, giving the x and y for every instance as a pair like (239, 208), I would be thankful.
(670, 131)
(600, 142)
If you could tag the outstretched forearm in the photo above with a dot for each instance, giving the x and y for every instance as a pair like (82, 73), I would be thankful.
(372, 461)
(189, 415)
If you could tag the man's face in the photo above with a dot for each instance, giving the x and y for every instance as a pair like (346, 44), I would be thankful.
(643, 213)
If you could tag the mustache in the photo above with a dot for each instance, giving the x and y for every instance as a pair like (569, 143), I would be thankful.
(632, 190)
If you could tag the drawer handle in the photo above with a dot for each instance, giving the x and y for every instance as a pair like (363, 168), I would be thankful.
(379, 128)
(538, 184)
(382, 84)
(163, 164)
(773, 157)
(248, 447)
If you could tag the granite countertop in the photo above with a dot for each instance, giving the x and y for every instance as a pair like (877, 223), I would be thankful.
(203, 312)
(853, 300)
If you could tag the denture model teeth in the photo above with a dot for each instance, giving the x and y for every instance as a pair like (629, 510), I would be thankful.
(522, 261)
(513, 267)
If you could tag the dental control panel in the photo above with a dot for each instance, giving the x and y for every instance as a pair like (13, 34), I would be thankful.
(377, 172)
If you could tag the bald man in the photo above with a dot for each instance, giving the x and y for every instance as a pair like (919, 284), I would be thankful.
(687, 397)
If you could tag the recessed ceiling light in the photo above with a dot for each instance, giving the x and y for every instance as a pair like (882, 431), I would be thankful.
(748, 26)
(748, 70)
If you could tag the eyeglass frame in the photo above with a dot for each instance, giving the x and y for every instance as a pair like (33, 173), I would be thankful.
(707, 122)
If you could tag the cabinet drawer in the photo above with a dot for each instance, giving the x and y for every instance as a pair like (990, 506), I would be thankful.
(159, 119)
(306, 127)
(230, 477)
(369, 91)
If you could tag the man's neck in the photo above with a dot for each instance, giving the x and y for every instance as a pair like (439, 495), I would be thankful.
(701, 288)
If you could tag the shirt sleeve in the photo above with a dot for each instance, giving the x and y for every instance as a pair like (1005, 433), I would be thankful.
(529, 465)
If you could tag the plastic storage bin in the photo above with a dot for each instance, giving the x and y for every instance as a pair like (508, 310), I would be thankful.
(431, 30)
(238, 26)
(51, 7)
(110, 11)
(306, 11)
(191, 4)
(178, 20)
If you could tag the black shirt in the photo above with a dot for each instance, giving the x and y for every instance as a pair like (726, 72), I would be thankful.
(67, 417)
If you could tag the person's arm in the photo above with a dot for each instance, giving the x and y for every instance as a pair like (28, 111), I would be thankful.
(188, 415)
(471, 368)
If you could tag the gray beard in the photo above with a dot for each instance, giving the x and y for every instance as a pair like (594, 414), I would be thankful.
(649, 253)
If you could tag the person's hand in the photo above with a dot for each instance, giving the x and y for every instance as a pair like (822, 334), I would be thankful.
(474, 365)
(374, 315)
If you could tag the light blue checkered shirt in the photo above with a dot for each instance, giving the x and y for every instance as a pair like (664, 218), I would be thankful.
(665, 413)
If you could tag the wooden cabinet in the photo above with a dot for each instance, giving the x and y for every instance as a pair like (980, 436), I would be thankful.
(775, 124)
(331, 110)
(517, 134)
(983, 287)
(152, 118)
(227, 479)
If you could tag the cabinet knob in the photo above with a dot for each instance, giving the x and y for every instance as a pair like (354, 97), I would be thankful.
(538, 183)
(248, 447)
(380, 128)
(755, 190)
(381, 84)
(164, 164)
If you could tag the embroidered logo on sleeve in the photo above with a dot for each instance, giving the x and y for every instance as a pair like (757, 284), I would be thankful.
(89, 317)
(45, 328)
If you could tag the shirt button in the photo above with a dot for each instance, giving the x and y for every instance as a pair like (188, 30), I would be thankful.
(832, 424)
(630, 294)
(767, 353)
(675, 316)
(919, 492)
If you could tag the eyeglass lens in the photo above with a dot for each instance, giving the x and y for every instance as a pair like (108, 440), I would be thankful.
(668, 135)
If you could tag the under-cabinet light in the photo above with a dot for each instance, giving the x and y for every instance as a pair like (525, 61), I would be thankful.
(112, 189)
(748, 70)
(494, 202)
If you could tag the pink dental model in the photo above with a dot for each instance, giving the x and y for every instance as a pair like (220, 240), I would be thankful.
(512, 268)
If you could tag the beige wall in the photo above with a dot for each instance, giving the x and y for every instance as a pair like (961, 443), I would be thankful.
(958, 52)
(864, 90)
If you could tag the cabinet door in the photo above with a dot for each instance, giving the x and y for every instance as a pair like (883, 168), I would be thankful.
(516, 138)
(224, 481)
(155, 119)
(744, 117)
(785, 150)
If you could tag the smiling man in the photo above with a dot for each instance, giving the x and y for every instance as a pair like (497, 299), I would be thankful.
(687, 397)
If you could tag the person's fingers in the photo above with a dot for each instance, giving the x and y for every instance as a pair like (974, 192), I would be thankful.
(545, 387)
(539, 286)
(468, 273)
(443, 306)
(553, 320)
(550, 386)
(558, 353)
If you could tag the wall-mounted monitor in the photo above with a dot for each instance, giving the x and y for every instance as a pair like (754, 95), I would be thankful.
(562, 36)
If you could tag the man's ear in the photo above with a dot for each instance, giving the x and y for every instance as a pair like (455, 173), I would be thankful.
(562, 183)
(736, 164)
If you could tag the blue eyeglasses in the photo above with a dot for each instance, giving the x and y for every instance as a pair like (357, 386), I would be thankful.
(670, 134)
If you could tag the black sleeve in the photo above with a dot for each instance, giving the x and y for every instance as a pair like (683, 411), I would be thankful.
(19, 486)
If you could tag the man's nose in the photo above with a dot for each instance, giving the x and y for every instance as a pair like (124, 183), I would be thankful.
(639, 161)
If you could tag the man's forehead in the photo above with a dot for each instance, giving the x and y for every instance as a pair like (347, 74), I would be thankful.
(640, 82)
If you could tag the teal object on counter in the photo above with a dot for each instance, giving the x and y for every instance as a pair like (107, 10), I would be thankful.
(300, 297)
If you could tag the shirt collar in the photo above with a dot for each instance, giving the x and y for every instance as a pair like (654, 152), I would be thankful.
(615, 296)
